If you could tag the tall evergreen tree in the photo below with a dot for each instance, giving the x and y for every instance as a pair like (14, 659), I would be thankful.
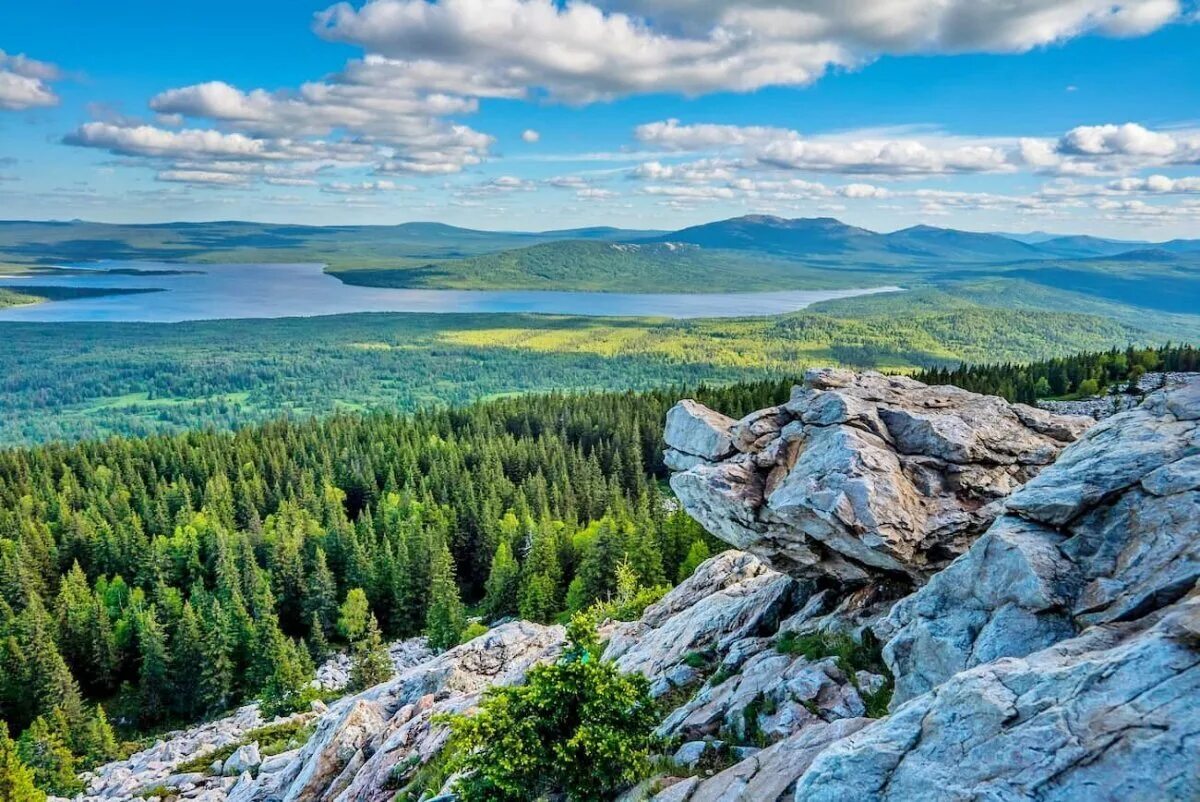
(370, 664)
(16, 779)
(503, 583)
(446, 620)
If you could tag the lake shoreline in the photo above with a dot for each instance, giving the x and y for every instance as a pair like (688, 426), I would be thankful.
(291, 290)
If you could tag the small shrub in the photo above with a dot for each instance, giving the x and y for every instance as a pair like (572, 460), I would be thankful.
(473, 631)
(578, 727)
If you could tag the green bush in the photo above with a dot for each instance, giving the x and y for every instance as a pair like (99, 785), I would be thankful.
(578, 727)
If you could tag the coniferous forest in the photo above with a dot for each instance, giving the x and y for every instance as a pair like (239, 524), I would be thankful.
(153, 582)
(1080, 375)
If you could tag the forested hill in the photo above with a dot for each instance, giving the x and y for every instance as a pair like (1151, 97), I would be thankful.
(160, 580)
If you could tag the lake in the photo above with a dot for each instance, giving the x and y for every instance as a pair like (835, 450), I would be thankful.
(218, 292)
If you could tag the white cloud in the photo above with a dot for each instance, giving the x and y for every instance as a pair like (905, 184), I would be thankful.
(25, 82)
(582, 51)
(201, 177)
(1157, 184)
(365, 187)
(529, 135)
(1129, 139)
(147, 140)
(596, 194)
(1082, 151)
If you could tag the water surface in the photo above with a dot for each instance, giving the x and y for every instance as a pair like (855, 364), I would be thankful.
(298, 290)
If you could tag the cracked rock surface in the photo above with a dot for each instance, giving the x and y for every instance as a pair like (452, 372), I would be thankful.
(1109, 533)
(860, 475)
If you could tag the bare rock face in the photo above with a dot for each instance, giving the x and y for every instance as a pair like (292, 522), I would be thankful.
(784, 693)
(1108, 716)
(730, 597)
(1109, 533)
(860, 476)
(769, 775)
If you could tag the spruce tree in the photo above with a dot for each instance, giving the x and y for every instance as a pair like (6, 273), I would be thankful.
(16, 779)
(216, 681)
(503, 583)
(50, 683)
(370, 664)
(320, 593)
(446, 620)
(96, 743)
(43, 750)
(318, 644)
(154, 675)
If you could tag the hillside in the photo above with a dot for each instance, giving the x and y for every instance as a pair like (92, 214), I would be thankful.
(613, 267)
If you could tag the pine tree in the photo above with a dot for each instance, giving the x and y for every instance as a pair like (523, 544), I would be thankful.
(154, 675)
(503, 583)
(320, 593)
(42, 749)
(446, 620)
(370, 663)
(16, 779)
(318, 644)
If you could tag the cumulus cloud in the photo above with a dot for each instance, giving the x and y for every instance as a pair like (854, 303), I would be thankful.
(201, 178)
(872, 155)
(365, 187)
(25, 82)
(1082, 151)
(582, 51)
(1157, 184)
(529, 135)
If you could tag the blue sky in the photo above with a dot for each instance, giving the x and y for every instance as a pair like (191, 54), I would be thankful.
(1059, 115)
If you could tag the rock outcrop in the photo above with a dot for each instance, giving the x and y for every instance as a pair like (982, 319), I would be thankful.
(860, 476)
(1058, 658)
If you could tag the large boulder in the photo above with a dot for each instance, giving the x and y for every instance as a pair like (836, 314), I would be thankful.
(860, 476)
(1109, 533)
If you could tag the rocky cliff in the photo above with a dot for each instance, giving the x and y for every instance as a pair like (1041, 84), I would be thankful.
(936, 596)
(1056, 658)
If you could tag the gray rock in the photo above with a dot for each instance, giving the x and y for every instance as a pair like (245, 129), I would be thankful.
(781, 693)
(245, 759)
(730, 596)
(694, 429)
(768, 775)
(690, 753)
(1107, 716)
(1110, 532)
(863, 476)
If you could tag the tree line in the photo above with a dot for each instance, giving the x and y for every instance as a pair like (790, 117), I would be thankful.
(1080, 375)
(151, 582)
